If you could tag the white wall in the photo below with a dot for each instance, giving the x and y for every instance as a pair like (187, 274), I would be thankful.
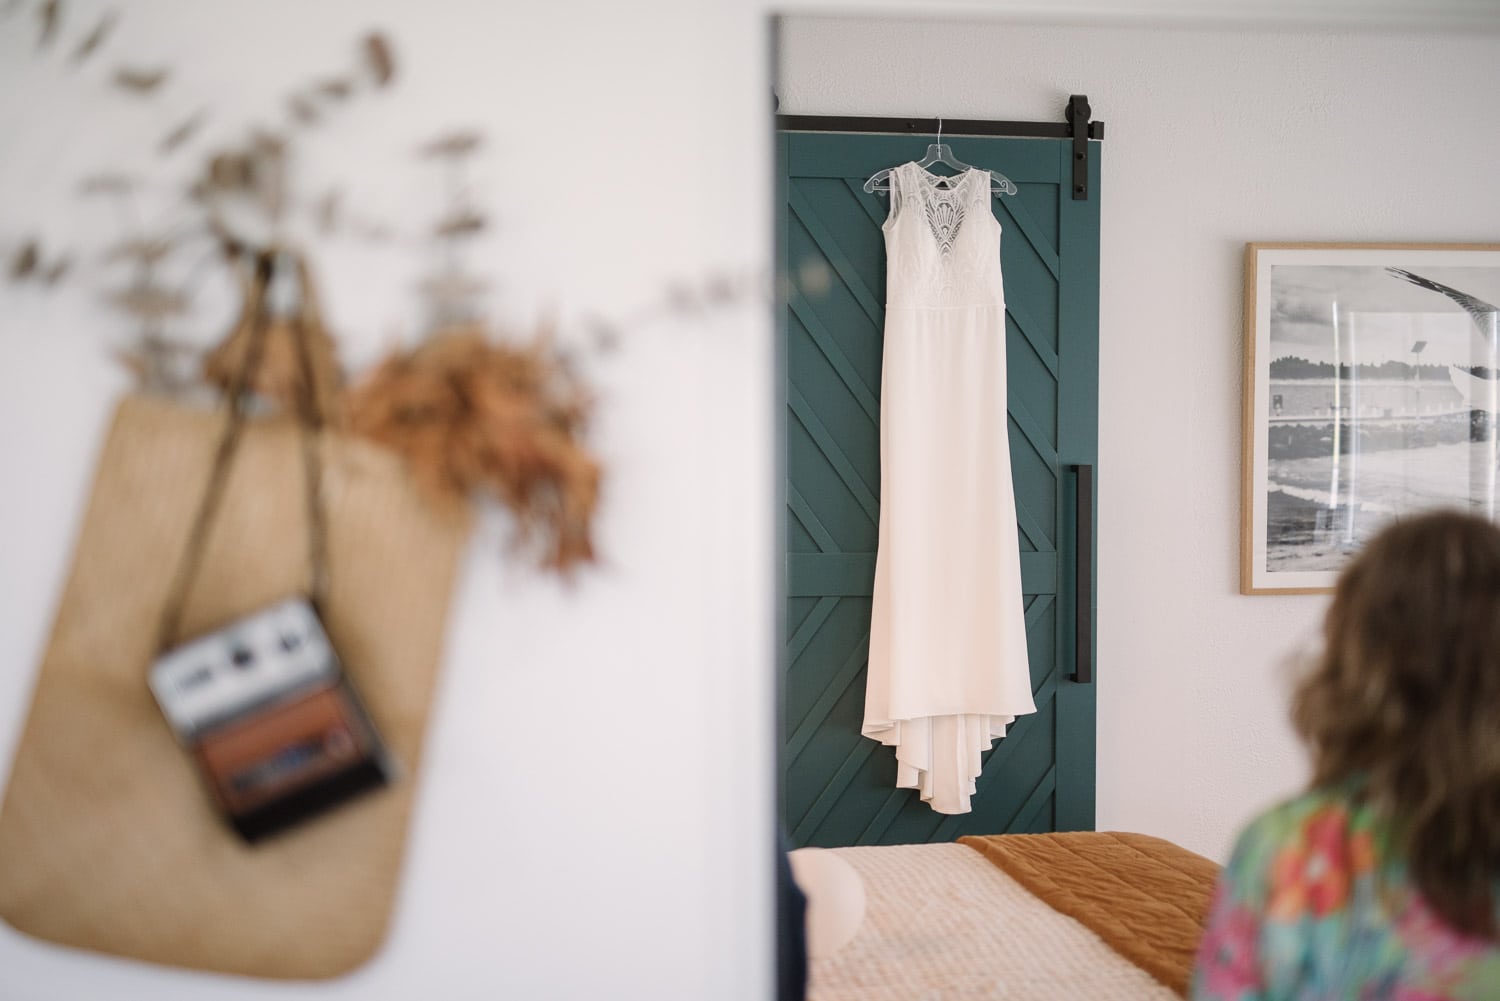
(1214, 137)
(595, 813)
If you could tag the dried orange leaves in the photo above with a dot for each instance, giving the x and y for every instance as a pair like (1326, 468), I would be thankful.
(472, 416)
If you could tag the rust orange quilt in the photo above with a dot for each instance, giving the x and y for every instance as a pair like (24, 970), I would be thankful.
(1145, 897)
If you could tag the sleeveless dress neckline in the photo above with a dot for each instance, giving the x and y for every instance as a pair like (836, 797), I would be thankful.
(946, 182)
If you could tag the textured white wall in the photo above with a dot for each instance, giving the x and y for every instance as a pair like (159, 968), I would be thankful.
(594, 819)
(1214, 137)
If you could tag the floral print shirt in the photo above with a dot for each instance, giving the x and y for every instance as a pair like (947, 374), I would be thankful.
(1315, 906)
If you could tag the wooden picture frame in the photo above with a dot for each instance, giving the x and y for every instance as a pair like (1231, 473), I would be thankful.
(1371, 390)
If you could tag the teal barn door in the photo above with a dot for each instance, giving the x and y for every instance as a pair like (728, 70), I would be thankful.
(838, 788)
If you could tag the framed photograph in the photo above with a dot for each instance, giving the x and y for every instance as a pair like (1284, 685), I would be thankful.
(1372, 388)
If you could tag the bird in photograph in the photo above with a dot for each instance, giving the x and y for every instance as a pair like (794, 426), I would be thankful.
(1480, 388)
(1482, 313)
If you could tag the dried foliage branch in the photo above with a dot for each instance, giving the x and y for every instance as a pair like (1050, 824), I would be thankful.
(145, 251)
(303, 109)
(473, 417)
(451, 291)
(337, 89)
(107, 184)
(24, 263)
(143, 82)
(181, 133)
(379, 59)
(49, 15)
(162, 366)
(250, 180)
(245, 180)
(96, 37)
(150, 303)
(453, 144)
(688, 299)
(463, 222)
(30, 262)
(376, 60)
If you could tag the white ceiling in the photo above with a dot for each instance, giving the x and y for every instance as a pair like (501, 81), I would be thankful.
(1421, 14)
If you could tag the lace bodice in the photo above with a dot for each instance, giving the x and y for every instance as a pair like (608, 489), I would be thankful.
(942, 242)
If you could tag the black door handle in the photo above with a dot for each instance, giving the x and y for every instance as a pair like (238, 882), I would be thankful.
(1083, 576)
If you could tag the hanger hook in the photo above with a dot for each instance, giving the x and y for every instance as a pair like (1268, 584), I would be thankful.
(940, 130)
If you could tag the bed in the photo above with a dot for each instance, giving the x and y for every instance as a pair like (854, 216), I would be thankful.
(1096, 916)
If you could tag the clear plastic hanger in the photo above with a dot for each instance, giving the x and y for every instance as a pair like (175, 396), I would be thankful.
(941, 152)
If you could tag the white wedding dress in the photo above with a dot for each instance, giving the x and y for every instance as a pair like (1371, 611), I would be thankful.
(948, 669)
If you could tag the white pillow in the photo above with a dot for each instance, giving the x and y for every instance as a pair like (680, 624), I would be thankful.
(835, 899)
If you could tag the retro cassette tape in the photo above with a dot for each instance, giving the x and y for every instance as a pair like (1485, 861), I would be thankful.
(265, 709)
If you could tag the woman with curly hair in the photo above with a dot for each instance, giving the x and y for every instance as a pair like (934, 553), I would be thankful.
(1380, 881)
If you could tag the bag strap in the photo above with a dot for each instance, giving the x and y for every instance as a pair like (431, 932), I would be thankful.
(311, 423)
(310, 419)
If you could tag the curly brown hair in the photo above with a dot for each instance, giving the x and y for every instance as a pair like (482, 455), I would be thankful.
(1405, 698)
